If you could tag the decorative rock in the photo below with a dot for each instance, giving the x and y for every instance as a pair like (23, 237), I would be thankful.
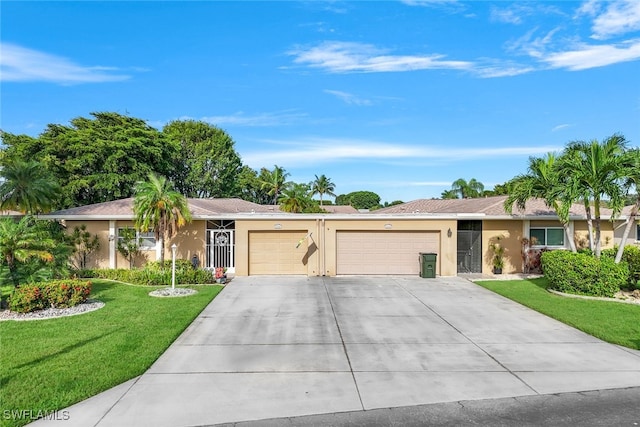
(52, 313)
(173, 292)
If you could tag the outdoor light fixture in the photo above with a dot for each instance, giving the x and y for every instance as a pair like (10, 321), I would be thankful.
(449, 233)
(277, 226)
(388, 226)
(112, 237)
(173, 265)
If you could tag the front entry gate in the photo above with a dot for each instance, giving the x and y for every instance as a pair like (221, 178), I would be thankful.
(469, 247)
(221, 245)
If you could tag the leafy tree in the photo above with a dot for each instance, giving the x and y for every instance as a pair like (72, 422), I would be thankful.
(85, 244)
(359, 200)
(595, 170)
(206, 164)
(250, 186)
(543, 181)
(322, 185)
(394, 203)
(631, 173)
(471, 189)
(159, 208)
(129, 245)
(95, 159)
(273, 181)
(21, 241)
(27, 187)
(449, 194)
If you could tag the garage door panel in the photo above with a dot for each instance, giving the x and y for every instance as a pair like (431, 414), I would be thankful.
(373, 252)
(275, 252)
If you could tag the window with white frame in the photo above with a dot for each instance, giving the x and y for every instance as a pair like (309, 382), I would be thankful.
(546, 236)
(146, 241)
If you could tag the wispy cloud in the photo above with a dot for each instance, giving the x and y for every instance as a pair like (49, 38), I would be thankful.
(592, 56)
(350, 57)
(21, 64)
(560, 127)
(278, 118)
(516, 13)
(447, 5)
(319, 150)
(617, 17)
(349, 98)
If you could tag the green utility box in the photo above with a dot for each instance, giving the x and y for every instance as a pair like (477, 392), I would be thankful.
(428, 265)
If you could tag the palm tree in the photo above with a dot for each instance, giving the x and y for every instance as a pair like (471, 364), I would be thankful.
(594, 170)
(542, 182)
(465, 189)
(449, 194)
(273, 181)
(322, 185)
(159, 208)
(21, 241)
(631, 172)
(27, 187)
(295, 198)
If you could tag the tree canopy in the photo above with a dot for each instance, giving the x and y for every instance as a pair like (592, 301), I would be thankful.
(360, 199)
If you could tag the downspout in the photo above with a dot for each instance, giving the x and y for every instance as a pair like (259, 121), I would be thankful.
(112, 244)
(323, 253)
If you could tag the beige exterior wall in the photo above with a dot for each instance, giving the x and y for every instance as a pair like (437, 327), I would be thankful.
(512, 242)
(99, 258)
(581, 233)
(190, 241)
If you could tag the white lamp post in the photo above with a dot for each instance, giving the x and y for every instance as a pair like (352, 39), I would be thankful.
(173, 265)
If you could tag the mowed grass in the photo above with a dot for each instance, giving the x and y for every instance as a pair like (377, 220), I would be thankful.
(613, 322)
(48, 365)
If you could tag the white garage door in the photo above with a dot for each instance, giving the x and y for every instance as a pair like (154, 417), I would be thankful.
(275, 252)
(384, 252)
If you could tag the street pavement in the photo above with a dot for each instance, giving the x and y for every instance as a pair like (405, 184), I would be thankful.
(376, 350)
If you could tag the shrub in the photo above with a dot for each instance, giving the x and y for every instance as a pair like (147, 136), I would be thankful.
(153, 275)
(631, 256)
(583, 274)
(57, 294)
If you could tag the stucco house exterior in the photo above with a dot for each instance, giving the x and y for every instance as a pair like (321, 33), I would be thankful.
(251, 239)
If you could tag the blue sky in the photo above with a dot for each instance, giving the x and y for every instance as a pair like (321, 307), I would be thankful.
(396, 97)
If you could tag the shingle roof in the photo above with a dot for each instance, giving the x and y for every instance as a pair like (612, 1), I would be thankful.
(487, 206)
(340, 209)
(198, 207)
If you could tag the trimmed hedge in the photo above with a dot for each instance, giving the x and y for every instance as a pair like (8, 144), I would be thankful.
(56, 294)
(631, 256)
(583, 274)
(153, 276)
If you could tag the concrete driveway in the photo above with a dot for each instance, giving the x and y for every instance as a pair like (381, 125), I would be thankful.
(270, 347)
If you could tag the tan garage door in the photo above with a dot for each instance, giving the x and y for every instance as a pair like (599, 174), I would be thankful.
(388, 252)
(275, 252)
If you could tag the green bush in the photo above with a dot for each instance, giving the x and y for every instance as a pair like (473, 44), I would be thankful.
(153, 275)
(57, 294)
(631, 256)
(583, 274)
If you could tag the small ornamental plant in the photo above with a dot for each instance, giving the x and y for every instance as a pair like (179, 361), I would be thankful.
(55, 294)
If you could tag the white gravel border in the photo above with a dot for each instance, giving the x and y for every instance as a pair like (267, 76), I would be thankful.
(173, 292)
(53, 313)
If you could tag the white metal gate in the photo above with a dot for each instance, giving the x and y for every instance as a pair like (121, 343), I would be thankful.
(221, 248)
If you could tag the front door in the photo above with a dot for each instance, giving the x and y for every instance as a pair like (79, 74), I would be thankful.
(469, 246)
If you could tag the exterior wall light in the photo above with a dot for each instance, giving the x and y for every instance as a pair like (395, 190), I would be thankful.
(277, 226)
(388, 226)
(449, 233)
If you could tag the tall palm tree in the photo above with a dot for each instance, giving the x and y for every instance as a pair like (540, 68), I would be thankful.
(273, 181)
(27, 187)
(542, 181)
(471, 189)
(322, 185)
(19, 242)
(631, 172)
(159, 208)
(295, 198)
(594, 170)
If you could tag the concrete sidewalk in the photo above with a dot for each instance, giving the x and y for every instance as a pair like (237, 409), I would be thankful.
(272, 347)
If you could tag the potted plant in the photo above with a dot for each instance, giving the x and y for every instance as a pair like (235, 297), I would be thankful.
(497, 250)
(221, 275)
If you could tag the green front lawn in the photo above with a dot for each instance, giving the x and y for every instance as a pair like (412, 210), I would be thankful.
(610, 321)
(52, 364)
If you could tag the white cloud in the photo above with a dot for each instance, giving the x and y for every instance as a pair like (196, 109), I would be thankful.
(346, 57)
(619, 17)
(278, 118)
(590, 56)
(20, 64)
(560, 127)
(349, 98)
(322, 150)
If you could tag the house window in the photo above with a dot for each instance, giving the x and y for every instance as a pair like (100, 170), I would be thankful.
(547, 236)
(146, 241)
